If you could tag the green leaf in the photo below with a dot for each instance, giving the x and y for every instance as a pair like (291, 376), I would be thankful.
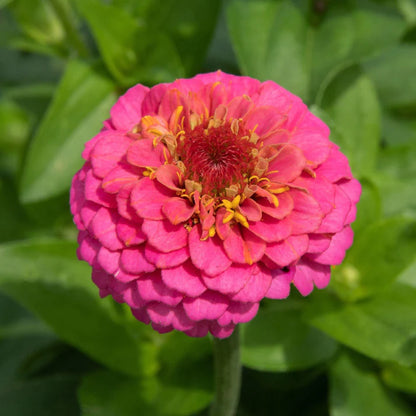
(39, 20)
(398, 130)
(351, 102)
(382, 327)
(277, 51)
(346, 33)
(48, 396)
(393, 75)
(112, 394)
(81, 102)
(188, 23)
(278, 340)
(130, 51)
(46, 278)
(399, 377)
(379, 254)
(369, 208)
(356, 390)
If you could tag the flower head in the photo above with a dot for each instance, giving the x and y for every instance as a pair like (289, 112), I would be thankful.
(201, 197)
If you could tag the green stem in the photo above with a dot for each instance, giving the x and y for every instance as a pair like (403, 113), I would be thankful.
(227, 375)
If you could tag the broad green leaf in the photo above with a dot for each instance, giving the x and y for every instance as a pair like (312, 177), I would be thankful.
(398, 130)
(382, 327)
(356, 390)
(369, 208)
(46, 278)
(21, 68)
(39, 20)
(397, 178)
(351, 101)
(278, 340)
(14, 223)
(81, 102)
(278, 50)
(408, 9)
(393, 75)
(399, 377)
(130, 51)
(46, 396)
(346, 33)
(188, 23)
(112, 394)
(379, 254)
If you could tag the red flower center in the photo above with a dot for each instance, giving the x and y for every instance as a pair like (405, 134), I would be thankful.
(217, 157)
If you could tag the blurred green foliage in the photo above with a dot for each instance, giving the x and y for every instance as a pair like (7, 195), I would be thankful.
(347, 350)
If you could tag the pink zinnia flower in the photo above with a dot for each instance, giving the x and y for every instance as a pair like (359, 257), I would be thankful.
(201, 197)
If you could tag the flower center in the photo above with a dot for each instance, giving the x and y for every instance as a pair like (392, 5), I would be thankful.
(217, 156)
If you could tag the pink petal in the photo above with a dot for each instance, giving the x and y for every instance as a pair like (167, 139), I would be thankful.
(315, 146)
(123, 174)
(103, 226)
(209, 255)
(88, 248)
(307, 273)
(168, 175)
(288, 164)
(270, 229)
(210, 305)
(166, 260)
(143, 153)
(319, 242)
(321, 189)
(124, 207)
(251, 210)
(94, 192)
(129, 232)
(221, 331)
(178, 210)
(335, 167)
(108, 260)
(185, 279)
(148, 197)
(88, 212)
(280, 286)
(335, 253)
(266, 118)
(165, 236)
(287, 251)
(238, 312)
(352, 188)
(283, 210)
(151, 288)
(127, 111)
(199, 330)
(238, 107)
(222, 229)
(335, 220)
(133, 261)
(256, 287)
(166, 316)
(306, 216)
(141, 315)
(230, 281)
(151, 101)
(245, 250)
(108, 151)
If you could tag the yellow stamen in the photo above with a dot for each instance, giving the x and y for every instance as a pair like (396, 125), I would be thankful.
(279, 190)
(212, 231)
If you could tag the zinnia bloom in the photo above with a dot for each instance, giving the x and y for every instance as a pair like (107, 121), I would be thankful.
(203, 196)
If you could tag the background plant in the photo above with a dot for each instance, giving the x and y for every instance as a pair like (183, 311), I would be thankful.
(350, 349)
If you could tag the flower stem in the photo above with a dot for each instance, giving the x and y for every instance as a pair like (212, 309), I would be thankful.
(227, 375)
